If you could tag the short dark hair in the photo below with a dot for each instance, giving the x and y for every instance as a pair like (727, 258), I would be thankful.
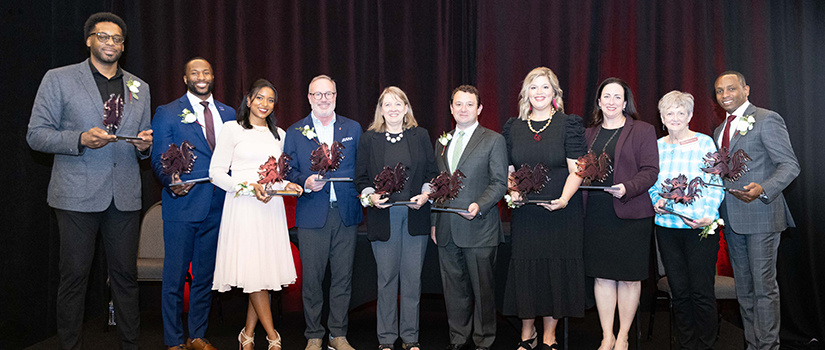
(243, 109)
(629, 111)
(468, 89)
(186, 65)
(733, 72)
(103, 17)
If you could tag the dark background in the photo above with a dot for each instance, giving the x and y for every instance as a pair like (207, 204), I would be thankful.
(427, 48)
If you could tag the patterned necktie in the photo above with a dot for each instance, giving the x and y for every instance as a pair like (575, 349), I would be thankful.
(459, 147)
(726, 134)
(210, 125)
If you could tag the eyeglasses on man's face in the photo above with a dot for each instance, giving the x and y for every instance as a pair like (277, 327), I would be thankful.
(104, 37)
(318, 95)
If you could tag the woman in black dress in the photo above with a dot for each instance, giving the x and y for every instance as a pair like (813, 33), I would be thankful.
(398, 234)
(546, 274)
(618, 224)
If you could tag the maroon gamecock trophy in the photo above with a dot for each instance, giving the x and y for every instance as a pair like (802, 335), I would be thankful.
(179, 160)
(325, 159)
(445, 187)
(275, 170)
(727, 167)
(593, 168)
(112, 115)
(391, 180)
(529, 180)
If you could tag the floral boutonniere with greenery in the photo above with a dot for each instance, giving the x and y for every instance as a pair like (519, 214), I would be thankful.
(510, 203)
(365, 199)
(244, 189)
(187, 117)
(444, 140)
(133, 89)
(711, 229)
(309, 133)
(744, 124)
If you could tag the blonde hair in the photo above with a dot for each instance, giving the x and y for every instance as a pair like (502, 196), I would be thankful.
(378, 124)
(676, 98)
(524, 107)
(326, 77)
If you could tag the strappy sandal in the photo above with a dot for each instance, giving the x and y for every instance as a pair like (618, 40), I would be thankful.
(410, 346)
(245, 340)
(274, 343)
(529, 344)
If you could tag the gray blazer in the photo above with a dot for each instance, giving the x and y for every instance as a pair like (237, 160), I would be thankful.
(86, 180)
(774, 166)
(484, 162)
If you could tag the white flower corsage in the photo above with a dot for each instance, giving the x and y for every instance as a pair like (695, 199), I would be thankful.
(243, 189)
(187, 117)
(444, 139)
(365, 199)
(510, 203)
(711, 229)
(744, 124)
(133, 89)
(307, 131)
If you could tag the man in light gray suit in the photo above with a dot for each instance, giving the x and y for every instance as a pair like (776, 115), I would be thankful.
(755, 213)
(467, 243)
(95, 182)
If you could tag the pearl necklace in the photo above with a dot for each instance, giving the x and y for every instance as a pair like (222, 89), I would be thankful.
(394, 139)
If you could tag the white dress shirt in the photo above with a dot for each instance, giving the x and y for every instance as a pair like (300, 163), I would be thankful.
(198, 110)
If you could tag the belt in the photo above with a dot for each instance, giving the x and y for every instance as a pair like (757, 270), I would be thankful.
(333, 204)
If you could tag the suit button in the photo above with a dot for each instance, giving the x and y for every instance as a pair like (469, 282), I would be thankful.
(114, 165)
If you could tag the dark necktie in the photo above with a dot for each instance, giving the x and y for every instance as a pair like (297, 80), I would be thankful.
(726, 134)
(210, 125)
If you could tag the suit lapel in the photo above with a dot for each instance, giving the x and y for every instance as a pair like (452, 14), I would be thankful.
(127, 100)
(193, 131)
(88, 82)
(628, 126)
(474, 141)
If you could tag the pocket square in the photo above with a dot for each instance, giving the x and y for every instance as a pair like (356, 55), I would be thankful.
(348, 138)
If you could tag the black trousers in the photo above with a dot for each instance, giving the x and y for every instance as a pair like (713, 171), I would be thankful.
(690, 265)
(120, 233)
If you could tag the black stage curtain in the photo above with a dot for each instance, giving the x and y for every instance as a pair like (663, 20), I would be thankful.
(426, 48)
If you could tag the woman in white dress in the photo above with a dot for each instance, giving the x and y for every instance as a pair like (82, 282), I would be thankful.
(254, 252)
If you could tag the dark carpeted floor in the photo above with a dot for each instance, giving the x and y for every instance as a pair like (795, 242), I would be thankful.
(584, 333)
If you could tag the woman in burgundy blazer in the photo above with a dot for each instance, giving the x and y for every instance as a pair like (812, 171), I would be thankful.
(618, 221)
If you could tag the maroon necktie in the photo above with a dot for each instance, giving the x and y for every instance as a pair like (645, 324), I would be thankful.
(726, 134)
(210, 125)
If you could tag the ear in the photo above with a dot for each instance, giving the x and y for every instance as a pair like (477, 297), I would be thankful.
(249, 102)
(479, 109)
(89, 41)
(690, 116)
(746, 90)
(185, 80)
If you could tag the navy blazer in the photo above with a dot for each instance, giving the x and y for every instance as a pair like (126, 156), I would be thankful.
(636, 165)
(422, 170)
(312, 207)
(167, 129)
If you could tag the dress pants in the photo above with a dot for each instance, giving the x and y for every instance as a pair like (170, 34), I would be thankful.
(690, 265)
(467, 275)
(78, 232)
(399, 260)
(185, 242)
(753, 258)
(332, 244)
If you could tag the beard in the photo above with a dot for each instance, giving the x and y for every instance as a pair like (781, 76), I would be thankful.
(192, 87)
(98, 53)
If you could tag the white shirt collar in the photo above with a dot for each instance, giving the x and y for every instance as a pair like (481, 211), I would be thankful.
(469, 130)
(317, 121)
(741, 110)
(195, 100)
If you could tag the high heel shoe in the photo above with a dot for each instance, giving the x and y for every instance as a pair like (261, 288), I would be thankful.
(274, 343)
(531, 343)
(245, 340)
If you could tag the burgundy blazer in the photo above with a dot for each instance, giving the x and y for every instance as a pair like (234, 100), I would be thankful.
(636, 165)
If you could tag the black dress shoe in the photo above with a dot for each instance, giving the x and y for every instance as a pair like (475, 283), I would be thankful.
(455, 347)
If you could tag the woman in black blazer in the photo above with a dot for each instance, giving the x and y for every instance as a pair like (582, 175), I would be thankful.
(398, 233)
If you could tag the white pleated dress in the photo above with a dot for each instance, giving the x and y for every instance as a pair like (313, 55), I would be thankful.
(254, 252)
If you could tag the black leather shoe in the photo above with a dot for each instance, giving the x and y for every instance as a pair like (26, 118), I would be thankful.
(455, 347)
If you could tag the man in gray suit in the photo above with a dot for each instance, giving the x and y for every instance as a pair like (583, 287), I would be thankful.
(467, 243)
(756, 213)
(95, 182)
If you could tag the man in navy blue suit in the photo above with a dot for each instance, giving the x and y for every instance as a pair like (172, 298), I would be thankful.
(327, 214)
(191, 212)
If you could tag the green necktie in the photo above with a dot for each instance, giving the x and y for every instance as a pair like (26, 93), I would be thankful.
(459, 147)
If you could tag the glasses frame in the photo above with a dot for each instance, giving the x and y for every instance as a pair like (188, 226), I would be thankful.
(104, 38)
(317, 95)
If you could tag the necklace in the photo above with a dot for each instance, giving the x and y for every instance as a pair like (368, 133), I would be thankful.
(606, 143)
(536, 135)
(394, 139)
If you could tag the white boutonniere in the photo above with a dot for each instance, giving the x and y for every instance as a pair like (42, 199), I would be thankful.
(309, 132)
(711, 229)
(444, 140)
(510, 203)
(243, 189)
(133, 89)
(744, 124)
(187, 117)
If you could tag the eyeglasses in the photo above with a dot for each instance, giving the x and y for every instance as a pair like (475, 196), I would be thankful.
(318, 95)
(103, 37)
